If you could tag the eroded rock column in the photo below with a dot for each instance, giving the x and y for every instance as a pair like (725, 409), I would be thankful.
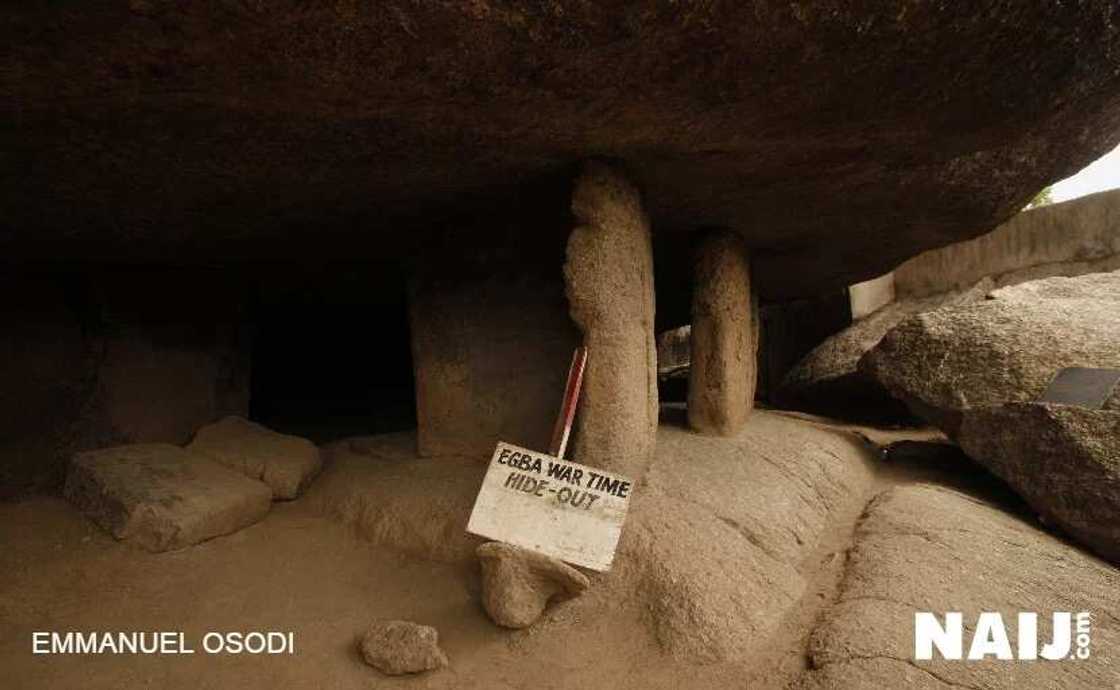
(724, 340)
(609, 280)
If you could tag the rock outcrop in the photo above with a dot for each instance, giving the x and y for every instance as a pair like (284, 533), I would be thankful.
(162, 497)
(828, 379)
(933, 549)
(287, 464)
(609, 278)
(1005, 349)
(518, 584)
(710, 558)
(1067, 239)
(1064, 460)
(723, 344)
(399, 647)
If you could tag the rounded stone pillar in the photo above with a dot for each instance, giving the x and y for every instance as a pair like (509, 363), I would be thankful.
(724, 340)
(609, 279)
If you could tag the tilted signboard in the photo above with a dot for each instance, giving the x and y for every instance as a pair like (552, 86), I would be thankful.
(559, 508)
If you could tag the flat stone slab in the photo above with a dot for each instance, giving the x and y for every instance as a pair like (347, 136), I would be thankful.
(162, 497)
(287, 464)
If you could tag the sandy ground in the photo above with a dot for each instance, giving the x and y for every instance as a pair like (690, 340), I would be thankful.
(296, 571)
(290, 572)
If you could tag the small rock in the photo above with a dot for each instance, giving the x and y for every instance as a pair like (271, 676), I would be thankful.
(286, 463)
(517, 584)
(399, 647)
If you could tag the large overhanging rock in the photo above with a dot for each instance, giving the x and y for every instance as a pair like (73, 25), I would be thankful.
(1003, 350)
(838, 138)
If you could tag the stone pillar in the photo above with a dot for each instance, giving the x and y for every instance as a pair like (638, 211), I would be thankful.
(609, 278)
(724, 340)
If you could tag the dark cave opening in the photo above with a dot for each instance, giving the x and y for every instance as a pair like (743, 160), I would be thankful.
(331, 355)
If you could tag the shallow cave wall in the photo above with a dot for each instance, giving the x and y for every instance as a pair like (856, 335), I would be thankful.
(492, 338)
(99, 356)
(491, 358)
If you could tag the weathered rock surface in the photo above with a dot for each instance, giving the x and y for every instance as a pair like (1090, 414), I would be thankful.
(1103, 288)
(842, 137)
(1064, 460)
(1005, 349)
(711, 593)
(609, 279)
(929, 548)
(828, 379)
(518, 584)
(287, 464)
(779, 482)
(399, 647)
(723, 345)
(717, 538)
(162, 497)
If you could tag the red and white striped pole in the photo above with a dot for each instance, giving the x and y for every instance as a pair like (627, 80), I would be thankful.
(563, 428)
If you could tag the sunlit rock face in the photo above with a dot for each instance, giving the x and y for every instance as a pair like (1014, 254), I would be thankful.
(837, 137)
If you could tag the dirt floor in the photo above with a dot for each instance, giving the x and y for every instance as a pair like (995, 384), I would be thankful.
(301, 571)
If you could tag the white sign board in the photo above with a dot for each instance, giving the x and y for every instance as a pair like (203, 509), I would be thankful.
(561, 509)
